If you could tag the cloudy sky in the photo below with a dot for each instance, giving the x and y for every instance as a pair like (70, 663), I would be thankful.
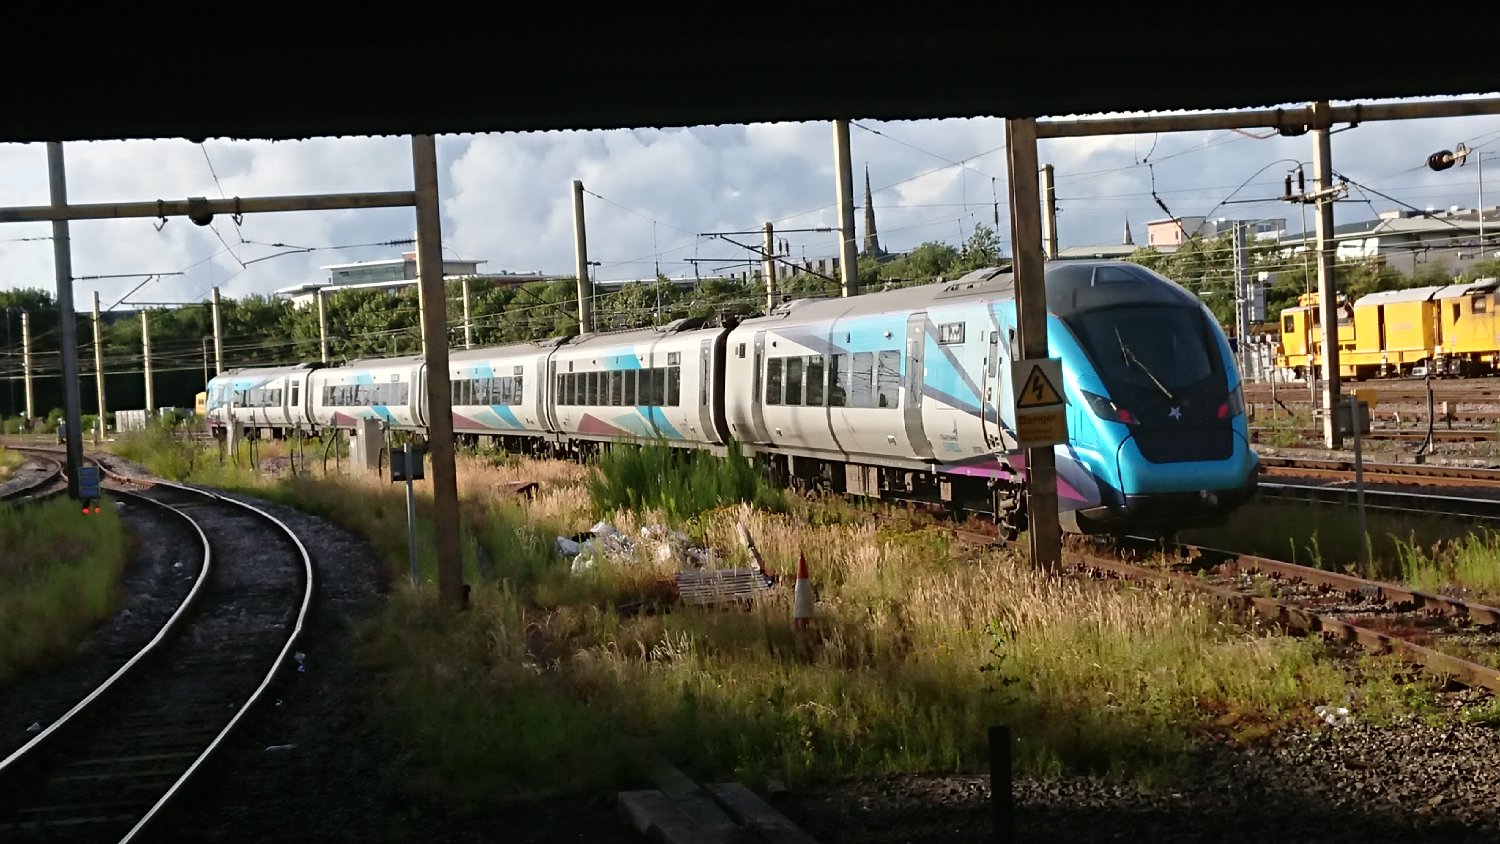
(654, 199)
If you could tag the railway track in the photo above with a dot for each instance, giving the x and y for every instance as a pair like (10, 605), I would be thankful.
(1443, 389)
(107, 767)
(41, 475)
(1451, 639)
(1424, 474)
(1442, 435)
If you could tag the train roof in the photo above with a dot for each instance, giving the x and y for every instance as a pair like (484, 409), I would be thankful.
(1391, 297)
(275, 369)
(1453, 291)
(510, 350)
(1072, 285)
(637, 336)
(381, 363)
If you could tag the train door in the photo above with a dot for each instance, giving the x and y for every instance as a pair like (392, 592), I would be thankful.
(548, 393)
(911, 409)
(708, 429)
(998, 389)
(419, 409)
(716, 402)
(758, 398)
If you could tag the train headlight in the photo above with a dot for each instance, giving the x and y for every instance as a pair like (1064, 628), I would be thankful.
(1233, 405)
(1108, 410)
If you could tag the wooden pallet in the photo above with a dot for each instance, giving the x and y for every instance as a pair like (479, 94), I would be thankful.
(702, 587)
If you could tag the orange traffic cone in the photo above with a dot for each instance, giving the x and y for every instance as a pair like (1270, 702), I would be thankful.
(802, 597)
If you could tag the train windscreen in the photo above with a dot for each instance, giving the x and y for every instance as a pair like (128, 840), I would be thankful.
(1165, 378)
(1149, 347)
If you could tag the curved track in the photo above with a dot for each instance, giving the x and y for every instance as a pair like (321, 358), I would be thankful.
(103, 770)
(40, 476)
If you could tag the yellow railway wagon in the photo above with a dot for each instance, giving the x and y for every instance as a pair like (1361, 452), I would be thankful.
(1469, 342)
(1447, 329)
(1398, 331)
(1302, 335)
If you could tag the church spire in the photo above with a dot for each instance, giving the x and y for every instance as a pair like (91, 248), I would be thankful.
(872, 243)
(1129, 241)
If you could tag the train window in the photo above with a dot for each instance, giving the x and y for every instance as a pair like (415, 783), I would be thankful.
(815, 381)
(403, 394)
(296, 388)
(1480, 303)
(794, 381)
(674, 385)
(888, 379)
(739, 351)
(1288, 324)
(836, 388)
(591, 391)
(773, 381)
(616, 388)
(630, 388)
(515, 395)
(861, 380)
(1455, 311)
(646, 388)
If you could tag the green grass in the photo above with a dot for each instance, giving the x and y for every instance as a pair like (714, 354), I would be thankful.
(1470, 561)
(1433, 553)
(59, 577)
(680, 482)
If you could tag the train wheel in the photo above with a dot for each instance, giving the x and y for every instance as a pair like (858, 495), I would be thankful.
(1010, 512)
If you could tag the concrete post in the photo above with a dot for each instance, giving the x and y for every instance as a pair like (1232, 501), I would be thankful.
(581, 249)
(99, 366)
(848, 257)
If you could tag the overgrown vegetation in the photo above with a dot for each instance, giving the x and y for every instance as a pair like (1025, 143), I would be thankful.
(552, 675)
(681, 482)
(1327, 536)
(59, 577)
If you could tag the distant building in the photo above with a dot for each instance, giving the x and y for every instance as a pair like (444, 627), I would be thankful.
(1408, 239)
(394, 274)
(1168, 234)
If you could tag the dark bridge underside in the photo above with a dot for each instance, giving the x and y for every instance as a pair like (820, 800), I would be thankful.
(256, 72)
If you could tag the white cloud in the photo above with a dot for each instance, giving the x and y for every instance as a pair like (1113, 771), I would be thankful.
(652, 195)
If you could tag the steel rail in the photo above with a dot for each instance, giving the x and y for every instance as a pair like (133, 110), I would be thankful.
(270, 676)
(1441, 665)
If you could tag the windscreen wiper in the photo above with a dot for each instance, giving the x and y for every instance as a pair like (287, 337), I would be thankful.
(1130, 357)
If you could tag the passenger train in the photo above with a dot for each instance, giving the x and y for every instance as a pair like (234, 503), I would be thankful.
(898, 394)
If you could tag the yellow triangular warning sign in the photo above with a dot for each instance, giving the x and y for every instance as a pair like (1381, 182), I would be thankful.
(1038, 391)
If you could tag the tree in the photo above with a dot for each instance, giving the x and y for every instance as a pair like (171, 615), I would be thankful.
(981, 250)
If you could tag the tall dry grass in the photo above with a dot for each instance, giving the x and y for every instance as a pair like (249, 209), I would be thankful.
(551, 676)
